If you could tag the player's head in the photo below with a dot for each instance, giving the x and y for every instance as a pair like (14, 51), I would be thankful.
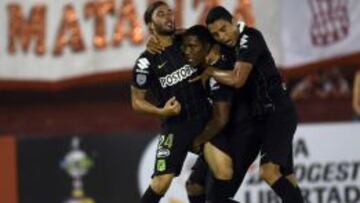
(222, 26)
(196, 42)
(160, 18)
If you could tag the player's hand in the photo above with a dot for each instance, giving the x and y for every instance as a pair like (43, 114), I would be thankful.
(203, 77)
(171, 108)
(213, 55)
(196, 149)
(153, 45)
(197, 146)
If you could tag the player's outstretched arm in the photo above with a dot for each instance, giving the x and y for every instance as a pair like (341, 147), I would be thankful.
(140, 104)
(235, 78)
(220, 118)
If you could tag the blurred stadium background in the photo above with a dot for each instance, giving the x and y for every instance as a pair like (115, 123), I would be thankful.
(65, 114)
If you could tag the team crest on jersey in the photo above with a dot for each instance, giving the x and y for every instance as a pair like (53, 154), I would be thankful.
(161, 165)
(141, 79)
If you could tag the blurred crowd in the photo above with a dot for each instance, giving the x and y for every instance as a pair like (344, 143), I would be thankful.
(322, 84)
(329, 84)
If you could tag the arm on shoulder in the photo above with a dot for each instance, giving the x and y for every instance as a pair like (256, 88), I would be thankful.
(235, 78)
(241, 71)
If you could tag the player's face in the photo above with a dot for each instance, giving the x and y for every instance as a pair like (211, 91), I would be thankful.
(194, 50)
(163, 21)
(224, 32)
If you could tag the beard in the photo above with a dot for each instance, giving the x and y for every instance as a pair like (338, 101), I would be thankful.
(163, 31)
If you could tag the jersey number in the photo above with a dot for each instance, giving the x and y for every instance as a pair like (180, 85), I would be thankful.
(166, 141)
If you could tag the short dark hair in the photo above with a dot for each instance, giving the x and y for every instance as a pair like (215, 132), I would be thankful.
(150, 10)
(218, 13)
(201, 32)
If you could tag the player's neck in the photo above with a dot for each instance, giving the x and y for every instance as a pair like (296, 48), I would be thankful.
(165, 40)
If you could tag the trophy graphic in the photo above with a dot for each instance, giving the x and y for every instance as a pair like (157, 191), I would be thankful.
(330, 21)
(77, 164)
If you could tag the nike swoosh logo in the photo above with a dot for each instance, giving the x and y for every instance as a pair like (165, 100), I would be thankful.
(162, 65)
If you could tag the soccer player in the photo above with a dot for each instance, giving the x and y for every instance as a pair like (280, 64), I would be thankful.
(182, 106)
(236, 142)
(271, 103)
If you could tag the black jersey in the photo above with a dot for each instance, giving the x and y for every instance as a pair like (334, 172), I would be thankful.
(264, 81)
(166, 75)
(239, 98)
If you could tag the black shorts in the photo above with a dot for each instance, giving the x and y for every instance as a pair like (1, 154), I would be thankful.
(238, 140)
(174, 142)
(278, 129)
(272, 136)
(241, 143)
